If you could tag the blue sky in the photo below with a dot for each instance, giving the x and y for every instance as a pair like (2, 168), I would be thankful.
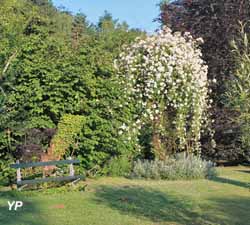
(137, 13)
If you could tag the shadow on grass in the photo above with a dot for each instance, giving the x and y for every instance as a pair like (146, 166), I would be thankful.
(243, 171)
(233, 210)
(26, 215)
(230, 181)
(152, 204)
(171, 209)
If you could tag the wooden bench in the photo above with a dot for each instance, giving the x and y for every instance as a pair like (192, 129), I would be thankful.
(18, 166)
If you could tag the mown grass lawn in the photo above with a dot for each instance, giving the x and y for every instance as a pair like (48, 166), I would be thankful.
(119, 201)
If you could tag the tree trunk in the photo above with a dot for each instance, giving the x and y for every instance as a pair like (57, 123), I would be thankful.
(158, 147)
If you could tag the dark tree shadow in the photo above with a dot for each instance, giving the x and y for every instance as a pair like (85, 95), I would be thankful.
(152, 204)
(243, 171)
(171, 209)
(26, 215)
(230, 181)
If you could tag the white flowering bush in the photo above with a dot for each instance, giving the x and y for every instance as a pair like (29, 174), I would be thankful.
(164, 75)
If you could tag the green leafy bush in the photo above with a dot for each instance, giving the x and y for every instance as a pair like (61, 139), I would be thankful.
(118, 166)
(190, 167)
(7, 175)
(238, 95)
(68, 128)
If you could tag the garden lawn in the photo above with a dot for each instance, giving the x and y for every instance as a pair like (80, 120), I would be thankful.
(120, 201)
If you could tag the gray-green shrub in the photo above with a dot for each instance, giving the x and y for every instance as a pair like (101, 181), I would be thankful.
(181, 167)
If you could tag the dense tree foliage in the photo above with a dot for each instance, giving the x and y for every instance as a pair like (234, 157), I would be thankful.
(52, 64)
(217, 23)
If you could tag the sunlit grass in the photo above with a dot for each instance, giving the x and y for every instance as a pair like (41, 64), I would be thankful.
(119, 201)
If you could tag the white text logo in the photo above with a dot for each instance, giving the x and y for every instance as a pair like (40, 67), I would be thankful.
(15, 204)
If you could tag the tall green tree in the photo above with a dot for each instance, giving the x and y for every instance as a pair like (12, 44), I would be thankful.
(61, 64)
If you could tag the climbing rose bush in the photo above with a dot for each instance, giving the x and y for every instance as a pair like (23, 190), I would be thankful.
(164, 76)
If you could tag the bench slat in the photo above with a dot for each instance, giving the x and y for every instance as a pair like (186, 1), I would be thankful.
(49, 163)
(50, 179)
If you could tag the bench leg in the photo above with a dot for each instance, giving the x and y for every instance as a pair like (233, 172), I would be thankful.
(22, 187)
(71, 169)
(18, 173)
(75, 181)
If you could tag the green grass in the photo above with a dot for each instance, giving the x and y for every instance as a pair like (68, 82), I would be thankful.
(119, 201)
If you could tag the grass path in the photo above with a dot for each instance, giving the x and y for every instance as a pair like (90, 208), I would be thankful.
(118, 201)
